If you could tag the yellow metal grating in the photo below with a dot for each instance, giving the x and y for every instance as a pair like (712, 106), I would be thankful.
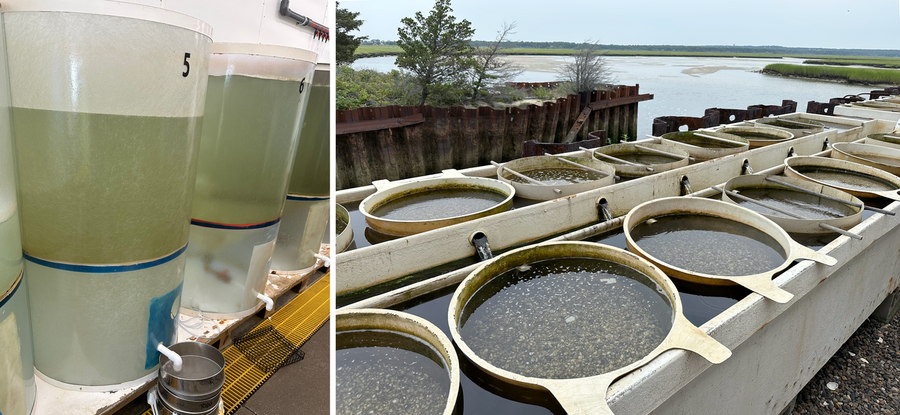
(297, 321)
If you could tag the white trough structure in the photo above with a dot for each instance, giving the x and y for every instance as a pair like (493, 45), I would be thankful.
(778, 347)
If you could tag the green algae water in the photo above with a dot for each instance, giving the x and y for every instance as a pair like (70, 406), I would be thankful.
(888, 161)
(703, 142)
(104, 189)
(803, 204)
(642, 158)
(439, 204)
(383, 372)
(249, 136)
(339, 226)
(566, 318)
(886, 138)
(557, 176)
(845, 178)
(758, 136)
(783, 123)
(708, 244)
(10, 252)
(310, 175)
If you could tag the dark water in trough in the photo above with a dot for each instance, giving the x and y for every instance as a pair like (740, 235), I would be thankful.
(708, 245)
(846, 179)
(566, 318)
(483, 395)
(557, 176)
(438, 204)
(806, 205)
(383, 372)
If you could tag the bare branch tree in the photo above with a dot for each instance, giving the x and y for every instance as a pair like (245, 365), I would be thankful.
(588, 71)
(491, 69)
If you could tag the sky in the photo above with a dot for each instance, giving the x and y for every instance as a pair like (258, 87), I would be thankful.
(860, 24)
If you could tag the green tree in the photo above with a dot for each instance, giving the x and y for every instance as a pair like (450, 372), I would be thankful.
(436, 48)
(346, 22)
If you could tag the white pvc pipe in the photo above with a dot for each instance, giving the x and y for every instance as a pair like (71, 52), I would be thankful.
(151, 399)
(270, 303)
(177, 362)
(324, 259)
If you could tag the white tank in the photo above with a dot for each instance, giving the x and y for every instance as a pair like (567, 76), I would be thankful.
(17, 388)
(254, 107)
(10, 239)
(107, 100)
(306, 208)
(259, 21)
(303, 225)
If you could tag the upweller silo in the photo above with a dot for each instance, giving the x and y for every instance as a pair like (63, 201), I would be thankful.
(255, 102)
(17, 389)
(306, 208)
(107, 103)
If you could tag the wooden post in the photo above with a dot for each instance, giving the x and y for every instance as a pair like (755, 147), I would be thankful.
(552, 118)
(440, 136)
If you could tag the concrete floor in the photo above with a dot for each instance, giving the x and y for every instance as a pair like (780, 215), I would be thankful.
(302, 387)
(305, 384)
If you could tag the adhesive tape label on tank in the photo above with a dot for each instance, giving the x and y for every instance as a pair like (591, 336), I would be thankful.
(161, 326)
(259, 261)
(12, 385)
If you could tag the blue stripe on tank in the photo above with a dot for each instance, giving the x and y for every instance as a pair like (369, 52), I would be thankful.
(307, 198)
(217, 225)
(12, 293)
(104, 269)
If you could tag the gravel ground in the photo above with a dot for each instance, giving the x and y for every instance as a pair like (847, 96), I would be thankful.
(863, 377)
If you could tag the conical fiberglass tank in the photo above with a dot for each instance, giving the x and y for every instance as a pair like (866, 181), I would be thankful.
(10, 238)
(17, 389)
(306, 208)
(107, 103)
(255, 101)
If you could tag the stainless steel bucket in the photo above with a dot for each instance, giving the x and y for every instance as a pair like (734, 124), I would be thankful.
(160, 407)
(196, 389)
(192, 382)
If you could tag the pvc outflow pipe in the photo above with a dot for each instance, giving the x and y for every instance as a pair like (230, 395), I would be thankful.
(177, 362)
(324, 259)
(270, 303)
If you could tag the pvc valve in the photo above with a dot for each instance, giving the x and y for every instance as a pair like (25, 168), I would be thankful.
(270, 303)
(324, 259)
(177, 362)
